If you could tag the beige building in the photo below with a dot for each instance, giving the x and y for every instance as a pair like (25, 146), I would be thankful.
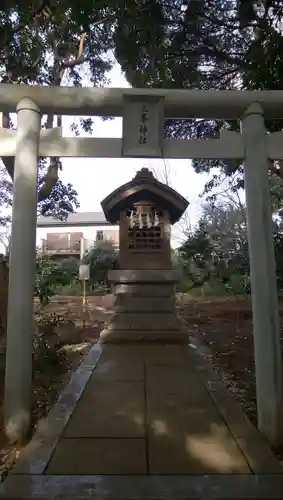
(80, 231)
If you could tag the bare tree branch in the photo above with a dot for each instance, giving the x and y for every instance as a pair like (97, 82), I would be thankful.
(59, 70)
(276, 170)
(79, 59)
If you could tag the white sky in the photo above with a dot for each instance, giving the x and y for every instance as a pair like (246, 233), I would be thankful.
(95, 178)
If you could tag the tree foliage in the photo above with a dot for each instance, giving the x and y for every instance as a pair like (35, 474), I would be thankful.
(61, 201)
(53, 43)
(203, 44)
(208, 45)
(102, 257)
(216, 251)
(50, 275)
(70, 269)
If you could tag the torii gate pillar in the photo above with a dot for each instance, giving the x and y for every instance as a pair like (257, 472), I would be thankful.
(267, 346)
(20, 325)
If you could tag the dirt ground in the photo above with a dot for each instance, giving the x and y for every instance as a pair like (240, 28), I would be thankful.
(222, 325)
(225, 327)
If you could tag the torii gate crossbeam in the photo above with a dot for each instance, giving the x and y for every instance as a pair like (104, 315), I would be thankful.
(143, 112)
(109, 101)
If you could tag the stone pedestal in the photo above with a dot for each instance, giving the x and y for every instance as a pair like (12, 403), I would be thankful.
(144, 308)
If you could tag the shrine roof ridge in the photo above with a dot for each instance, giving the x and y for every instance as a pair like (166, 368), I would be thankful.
(144, 184)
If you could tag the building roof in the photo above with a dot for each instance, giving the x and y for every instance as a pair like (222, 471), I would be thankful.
(76, 219)
(144, 186)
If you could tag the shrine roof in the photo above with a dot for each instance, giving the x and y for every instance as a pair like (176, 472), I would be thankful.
(144, 186)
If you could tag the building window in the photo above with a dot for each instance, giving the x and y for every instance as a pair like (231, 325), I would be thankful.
(99, 235)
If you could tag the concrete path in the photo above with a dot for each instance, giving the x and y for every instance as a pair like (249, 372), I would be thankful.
(142, 422)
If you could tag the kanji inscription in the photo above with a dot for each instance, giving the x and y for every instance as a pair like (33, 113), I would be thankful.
(143, 123)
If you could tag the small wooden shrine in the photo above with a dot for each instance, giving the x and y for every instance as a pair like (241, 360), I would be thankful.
(144, 286)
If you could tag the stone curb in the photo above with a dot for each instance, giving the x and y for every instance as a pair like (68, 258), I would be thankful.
(252, 444)
(36, 455)
(189, 487)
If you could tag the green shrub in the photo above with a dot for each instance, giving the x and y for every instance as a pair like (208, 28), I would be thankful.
(48, 355)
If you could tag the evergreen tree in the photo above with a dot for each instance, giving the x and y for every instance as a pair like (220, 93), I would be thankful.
(53, 43)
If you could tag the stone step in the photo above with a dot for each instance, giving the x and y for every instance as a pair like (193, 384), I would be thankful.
(128, 303)
(142, 276)
(145, 290)
(145, 336)
(144, 321)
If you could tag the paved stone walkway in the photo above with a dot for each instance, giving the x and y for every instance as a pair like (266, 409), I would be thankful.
(142, 422)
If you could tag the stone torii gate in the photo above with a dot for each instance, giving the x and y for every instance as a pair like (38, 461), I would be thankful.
(143, 112)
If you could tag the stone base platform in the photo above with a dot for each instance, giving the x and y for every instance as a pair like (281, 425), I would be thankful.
(142, 422)
(144, 308)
